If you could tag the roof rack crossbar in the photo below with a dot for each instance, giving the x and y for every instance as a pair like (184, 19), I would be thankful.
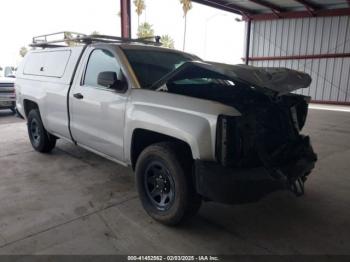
(78, 38)
(65, 34)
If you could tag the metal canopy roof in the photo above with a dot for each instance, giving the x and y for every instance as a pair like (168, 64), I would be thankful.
(276, 9)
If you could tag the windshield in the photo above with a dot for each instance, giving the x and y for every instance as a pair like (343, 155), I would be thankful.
(7, 71)
(151, 65)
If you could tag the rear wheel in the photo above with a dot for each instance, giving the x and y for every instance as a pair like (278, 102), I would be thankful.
(41, 140)
(165, 184)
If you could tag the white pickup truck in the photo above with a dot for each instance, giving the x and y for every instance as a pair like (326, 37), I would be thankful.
(7, 89)
(191, 130)
(7, 94)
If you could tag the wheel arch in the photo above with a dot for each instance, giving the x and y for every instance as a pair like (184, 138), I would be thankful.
(29, 105)
(142, 138)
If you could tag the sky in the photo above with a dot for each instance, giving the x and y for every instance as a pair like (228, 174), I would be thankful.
(212, 34)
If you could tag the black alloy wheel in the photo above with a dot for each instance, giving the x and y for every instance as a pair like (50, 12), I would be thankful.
(159, 185)
(41, 140)
(35, 132)
(164, 183)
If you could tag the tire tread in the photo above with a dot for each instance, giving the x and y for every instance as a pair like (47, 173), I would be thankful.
(175, 154)
(48, 142)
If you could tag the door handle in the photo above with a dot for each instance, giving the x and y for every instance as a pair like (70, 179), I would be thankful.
(78, 96)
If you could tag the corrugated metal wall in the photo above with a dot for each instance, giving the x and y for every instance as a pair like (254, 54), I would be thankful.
(308, 36)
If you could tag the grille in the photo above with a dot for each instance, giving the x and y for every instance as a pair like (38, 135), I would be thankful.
(7, 88)
(7, 84)
(238, 138)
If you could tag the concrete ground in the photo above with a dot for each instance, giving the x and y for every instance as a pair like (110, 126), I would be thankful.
(74, 202)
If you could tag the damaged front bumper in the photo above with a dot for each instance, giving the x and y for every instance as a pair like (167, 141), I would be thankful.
(242, 185)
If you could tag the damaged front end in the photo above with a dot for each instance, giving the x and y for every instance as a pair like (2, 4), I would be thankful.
(260, 151)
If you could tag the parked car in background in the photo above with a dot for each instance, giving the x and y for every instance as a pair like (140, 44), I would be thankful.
(7, 93)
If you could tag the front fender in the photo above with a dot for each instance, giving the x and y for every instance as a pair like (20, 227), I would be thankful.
(191, 120)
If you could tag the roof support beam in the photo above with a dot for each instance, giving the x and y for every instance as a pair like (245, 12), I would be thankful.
(313, 10)
(247, 42)
(298, 57)
(226, 7)
(302, 14)
(311, 7)
(273, 7)
(125, 16)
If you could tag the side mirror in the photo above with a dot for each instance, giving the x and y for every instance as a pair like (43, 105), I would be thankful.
(106, 79)
(110, 80)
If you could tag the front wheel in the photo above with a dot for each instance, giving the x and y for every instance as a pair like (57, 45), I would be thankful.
(41, 140)
(164, 184)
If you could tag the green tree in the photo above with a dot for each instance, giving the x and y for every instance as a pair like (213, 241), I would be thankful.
(145, 30)
(23, 51)
(186, 6)
(167, 41)
(140, 6)
(95, 32)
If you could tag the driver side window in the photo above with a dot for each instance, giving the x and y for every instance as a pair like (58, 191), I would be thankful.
(100, 61)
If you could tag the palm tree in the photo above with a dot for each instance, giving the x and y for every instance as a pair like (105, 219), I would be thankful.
(186, 6)
(140, 6)
(23, 51)
(145, 30)
(167, 41)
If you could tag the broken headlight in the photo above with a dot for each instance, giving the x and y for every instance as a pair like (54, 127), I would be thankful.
(299, 114)
(228, 141)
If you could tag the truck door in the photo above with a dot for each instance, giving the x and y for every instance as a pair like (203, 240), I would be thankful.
(97, 111)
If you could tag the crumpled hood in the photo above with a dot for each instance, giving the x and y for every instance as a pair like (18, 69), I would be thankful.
(277, 80)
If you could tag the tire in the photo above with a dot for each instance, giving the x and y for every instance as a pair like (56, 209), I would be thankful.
(41, 140)
(165, 184)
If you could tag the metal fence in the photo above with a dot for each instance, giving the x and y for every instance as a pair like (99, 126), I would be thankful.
(319, 46)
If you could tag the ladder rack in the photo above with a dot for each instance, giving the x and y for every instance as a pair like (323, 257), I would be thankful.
(66, 38)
